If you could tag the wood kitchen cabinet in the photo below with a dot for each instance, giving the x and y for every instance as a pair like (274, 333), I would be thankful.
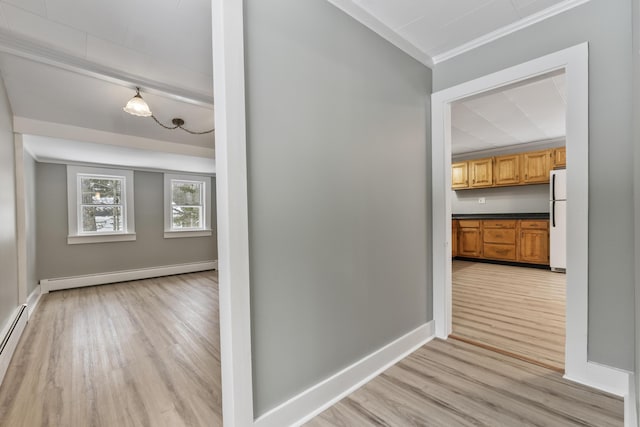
(481, 173)
(506, 170)
(459, 175)
(454, 238)
(560, 157)
(534, 241)
(536, 166)
(469, 238)
(499, 239)
(513, 240)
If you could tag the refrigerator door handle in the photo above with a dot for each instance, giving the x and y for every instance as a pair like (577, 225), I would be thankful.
(553, 212)
(553, 186)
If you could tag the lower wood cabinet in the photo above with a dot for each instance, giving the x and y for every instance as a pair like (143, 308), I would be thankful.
(534, 242)
(525, 241)
(469, 238)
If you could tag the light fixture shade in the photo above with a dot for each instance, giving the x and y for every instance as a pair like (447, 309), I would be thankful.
(137, 106)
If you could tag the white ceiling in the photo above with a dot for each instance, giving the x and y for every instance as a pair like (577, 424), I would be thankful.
(167, 41)
(434, 30)
(530, 111)
(76, 63)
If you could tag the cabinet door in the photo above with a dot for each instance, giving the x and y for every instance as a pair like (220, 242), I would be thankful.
(481, 173)
(534, 246)
(560, 157)
(507, 170)
(536, 166)
(459, 176)
(469, 242)
(454, 238)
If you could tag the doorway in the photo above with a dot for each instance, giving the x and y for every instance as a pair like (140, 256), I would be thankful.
(507, 145)
(574, 62)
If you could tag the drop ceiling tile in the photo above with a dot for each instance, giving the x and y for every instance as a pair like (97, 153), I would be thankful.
(397, 13)
(462, 142)
(47, 32)
(34, 6)
(114, 55)
(478, 22)
(105, 19)
(529, 7)
(169, 36)
(470, 122)
(542, 104)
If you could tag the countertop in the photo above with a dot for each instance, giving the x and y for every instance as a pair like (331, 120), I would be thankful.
(544, 215)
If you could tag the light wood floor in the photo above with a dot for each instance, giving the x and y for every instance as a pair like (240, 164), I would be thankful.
(515, 309)
(143, 353)
(452, 383)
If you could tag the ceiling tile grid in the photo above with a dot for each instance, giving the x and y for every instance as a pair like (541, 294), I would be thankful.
(526, 112)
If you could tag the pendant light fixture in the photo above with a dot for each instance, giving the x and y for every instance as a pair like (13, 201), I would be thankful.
(139, 107)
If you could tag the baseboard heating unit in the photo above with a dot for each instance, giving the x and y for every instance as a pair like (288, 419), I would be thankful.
(10, 339)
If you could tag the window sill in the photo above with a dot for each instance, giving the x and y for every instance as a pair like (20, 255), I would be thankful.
(100, 238)
(191, 233)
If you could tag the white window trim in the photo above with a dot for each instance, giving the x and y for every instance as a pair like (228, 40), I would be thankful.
(74, 236)
(206, 230)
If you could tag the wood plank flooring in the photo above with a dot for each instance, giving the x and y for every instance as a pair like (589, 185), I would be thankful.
(143, 353)
(452, 383)
(515, 309)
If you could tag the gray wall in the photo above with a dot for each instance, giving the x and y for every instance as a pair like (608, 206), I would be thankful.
(30, 220)
(8, 237)
(338, 155)
(636, 180)
(606, 25)
(521, 199)
(55, 258)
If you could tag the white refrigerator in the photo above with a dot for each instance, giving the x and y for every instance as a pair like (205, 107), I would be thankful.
(558, 220)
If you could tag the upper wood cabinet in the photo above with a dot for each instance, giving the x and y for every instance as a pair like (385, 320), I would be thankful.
(459, 175)
(536, 166)
(559, 157)
(507, 170)
(481, 173)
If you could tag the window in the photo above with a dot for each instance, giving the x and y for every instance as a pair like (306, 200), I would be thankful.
(100, 205)
(187, 206)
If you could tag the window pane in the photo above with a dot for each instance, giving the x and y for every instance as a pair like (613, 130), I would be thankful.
(96, 219)
(186, 217)
(186, 193)
(101, 191)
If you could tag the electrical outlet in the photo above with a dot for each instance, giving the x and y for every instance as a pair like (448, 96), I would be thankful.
(482, 200)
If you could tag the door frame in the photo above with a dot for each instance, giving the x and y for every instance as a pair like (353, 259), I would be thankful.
(574, 60)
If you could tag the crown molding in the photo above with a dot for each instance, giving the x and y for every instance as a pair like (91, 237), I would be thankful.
(384, 31)
(511, 28)
(33, 50)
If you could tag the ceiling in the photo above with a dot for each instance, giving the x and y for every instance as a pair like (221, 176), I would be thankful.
(530, 111)
(75, 64)
(435, 30)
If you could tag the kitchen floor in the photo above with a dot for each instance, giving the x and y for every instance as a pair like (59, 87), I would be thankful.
(519, 311)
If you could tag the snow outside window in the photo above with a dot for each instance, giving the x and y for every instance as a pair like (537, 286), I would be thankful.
(187, 206)
(100, 205)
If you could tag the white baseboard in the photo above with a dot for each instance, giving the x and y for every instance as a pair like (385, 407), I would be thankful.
(12, 331)
(215, 265)
(47, 285)
(33, 300)
(610, 380)
(316, 399)
(630, 408)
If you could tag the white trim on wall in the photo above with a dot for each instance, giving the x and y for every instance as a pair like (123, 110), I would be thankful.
(59, 283)
(311, 402)
(233, 213)
(574, 61)
(33, 300)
